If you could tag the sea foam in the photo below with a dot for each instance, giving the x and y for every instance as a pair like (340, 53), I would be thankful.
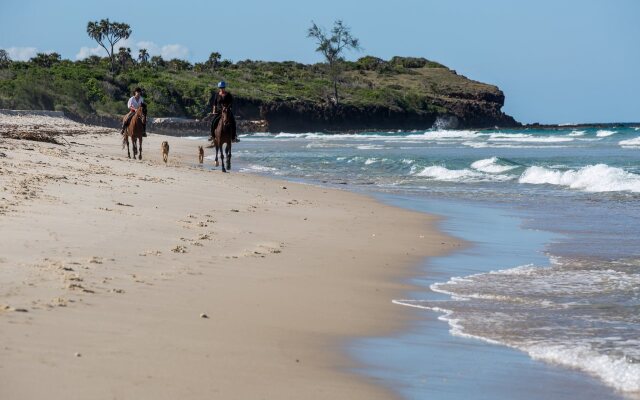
(605, 133)
(492, 166)
(592, 178)
(635, 142)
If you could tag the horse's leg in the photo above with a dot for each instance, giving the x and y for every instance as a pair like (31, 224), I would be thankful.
(140, 154)
(135, 146)
(217, 149)
(126, 138)
(229, 155)
(222, 157)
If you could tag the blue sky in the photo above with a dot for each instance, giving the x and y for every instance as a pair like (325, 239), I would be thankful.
(557, 61)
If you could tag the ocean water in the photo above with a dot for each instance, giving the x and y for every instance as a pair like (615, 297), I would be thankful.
(576, 304)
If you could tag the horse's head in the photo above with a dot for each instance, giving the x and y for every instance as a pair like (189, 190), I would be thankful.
(224, 118)
(141, 112)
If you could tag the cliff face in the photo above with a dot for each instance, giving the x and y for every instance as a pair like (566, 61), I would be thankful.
(452, 113)
(412, 95)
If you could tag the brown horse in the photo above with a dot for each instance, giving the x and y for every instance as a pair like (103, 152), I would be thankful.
(221, 136)
(135, 130)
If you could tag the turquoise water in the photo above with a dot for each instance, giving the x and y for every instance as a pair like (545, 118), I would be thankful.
(573, 301)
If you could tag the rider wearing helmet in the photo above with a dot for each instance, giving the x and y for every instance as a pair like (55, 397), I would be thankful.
(223, 99)
(134, 102)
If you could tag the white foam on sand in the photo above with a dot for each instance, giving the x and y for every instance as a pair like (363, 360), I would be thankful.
(592, 178)
(616, 371)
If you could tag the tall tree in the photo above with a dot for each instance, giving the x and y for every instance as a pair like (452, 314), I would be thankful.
(143, 56)
(214, 60)
(5, 60)
(124, 57)
(331, 46)
(107, 34)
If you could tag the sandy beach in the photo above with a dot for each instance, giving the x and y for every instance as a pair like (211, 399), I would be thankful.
(123, 279)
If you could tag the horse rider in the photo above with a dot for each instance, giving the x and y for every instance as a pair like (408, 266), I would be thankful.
(134, 103)
(223, 99)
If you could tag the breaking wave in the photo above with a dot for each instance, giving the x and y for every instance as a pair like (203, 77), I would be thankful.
(492, 166)
(592, 178)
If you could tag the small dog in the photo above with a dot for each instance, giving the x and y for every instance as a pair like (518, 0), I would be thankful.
(200, 154)
(165, 151)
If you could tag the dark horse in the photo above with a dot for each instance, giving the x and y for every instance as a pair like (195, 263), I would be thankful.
(135, 130)
(221, 136)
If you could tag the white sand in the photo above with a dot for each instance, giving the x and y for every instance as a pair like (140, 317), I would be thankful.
(115, 260)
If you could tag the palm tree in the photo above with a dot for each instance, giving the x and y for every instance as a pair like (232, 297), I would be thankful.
(143, 56)
(124, 56)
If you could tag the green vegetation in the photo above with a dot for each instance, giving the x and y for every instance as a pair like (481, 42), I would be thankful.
(178, 88)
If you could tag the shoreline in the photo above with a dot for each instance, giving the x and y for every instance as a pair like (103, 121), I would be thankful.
(467, 362)
(90, 258)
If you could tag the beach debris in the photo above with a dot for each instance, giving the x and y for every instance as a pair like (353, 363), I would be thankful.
(20, 310)
(234, 210)
(77, 354)
(284, 187)
(150, 253)
(203, 315)
(179, 249)
(123, 204)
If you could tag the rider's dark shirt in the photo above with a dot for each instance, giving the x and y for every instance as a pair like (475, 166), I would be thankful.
(220, 101)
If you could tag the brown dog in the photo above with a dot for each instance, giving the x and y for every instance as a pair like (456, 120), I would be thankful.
(165, 151)
(201, 154)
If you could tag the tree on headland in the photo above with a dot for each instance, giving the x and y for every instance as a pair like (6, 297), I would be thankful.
(157, 62)
(124, 57)
(5, 60)
(176, 64)
(143, 56)
(107, 34)
(332, 46)
(46, 60)
(213, 61)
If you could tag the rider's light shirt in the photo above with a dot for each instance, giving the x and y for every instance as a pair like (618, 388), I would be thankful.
(133, 103)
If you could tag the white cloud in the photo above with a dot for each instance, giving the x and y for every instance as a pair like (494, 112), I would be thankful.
(21, 53)
(152, 48)
(167, 52)
(174, 51)
(90, 51)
